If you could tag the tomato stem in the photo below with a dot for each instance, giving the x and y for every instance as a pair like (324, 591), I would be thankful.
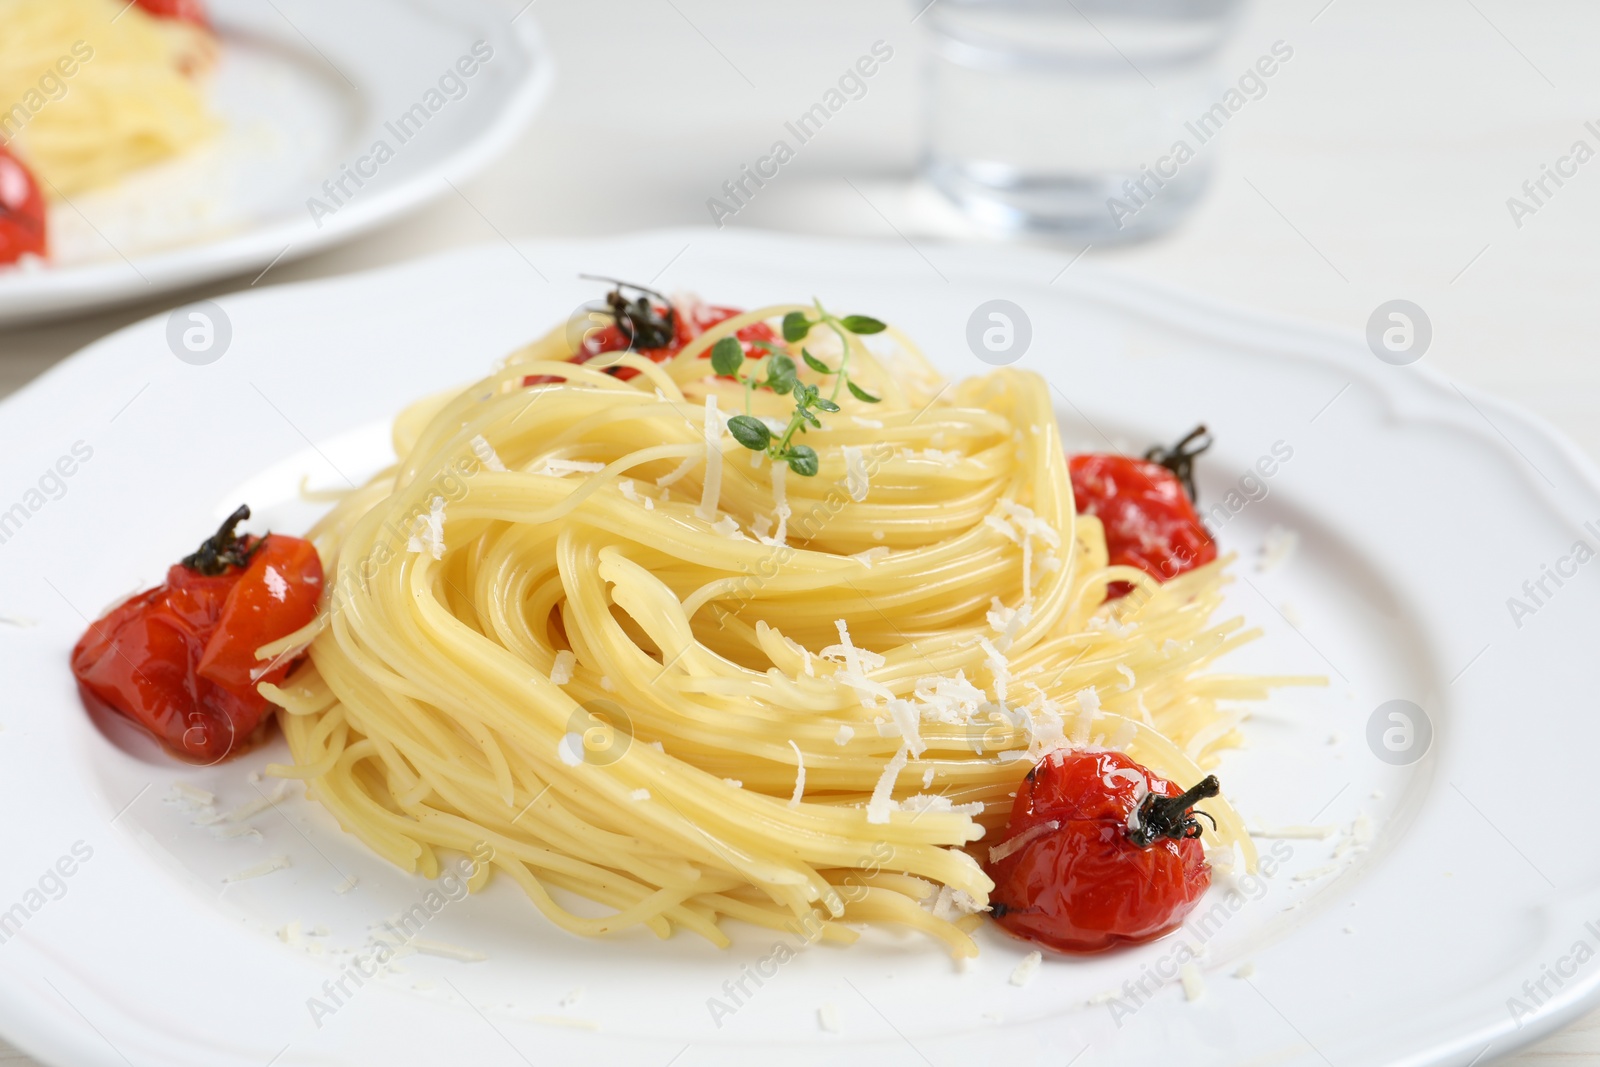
(224, 548)
(639, 321)
(1170, 817)
(1179, 459)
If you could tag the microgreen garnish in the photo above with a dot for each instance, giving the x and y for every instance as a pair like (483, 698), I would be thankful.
(797, 326)
(861, 394)
(780, 376)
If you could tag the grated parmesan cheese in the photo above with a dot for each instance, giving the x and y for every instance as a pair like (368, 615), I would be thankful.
(711, 493)
(277, 863)
(229, 832)
(1316, 872)
(866, 424)
(1027, 968)
(486, 454)
(828, 1018)
(799, 776)
(1194, 985)
(561, 670)
(184, 791)
(996, 662)
(1296, 833)
(856, 480)
(844, 735)
(882, 801)
(570, 749)
(428, 531)
(780, 502)
(446, 951)
(640, 794)
(1088, 707)
(1006, 848)
(906, 723)
(556, 467)
(1276, 547)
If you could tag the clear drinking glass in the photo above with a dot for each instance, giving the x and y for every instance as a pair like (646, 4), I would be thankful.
(1049, 115)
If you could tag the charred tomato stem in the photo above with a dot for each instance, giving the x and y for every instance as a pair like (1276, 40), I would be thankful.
(224, 548)
(1171, 817)
(1179, 459)
(639, 321)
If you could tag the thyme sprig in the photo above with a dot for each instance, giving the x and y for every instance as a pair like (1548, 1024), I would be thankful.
(781, 377)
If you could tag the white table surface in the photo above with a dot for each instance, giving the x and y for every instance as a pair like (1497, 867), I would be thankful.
(1376, 167)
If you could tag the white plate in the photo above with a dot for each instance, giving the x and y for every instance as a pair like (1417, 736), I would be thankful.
(1420, 509)
(305, 89)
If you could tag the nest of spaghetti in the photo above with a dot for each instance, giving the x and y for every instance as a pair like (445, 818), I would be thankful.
(660, 680)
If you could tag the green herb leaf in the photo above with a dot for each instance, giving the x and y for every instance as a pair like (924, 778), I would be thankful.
(805, 413)
(802, 459)
(750, 432)
(815, 364)
(862, 324)
(861, 394)
(796, 326)
(726, 356)
(825, 404)
(780, 373)
(805, 394)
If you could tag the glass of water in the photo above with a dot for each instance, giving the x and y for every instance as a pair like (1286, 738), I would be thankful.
(1066, 117)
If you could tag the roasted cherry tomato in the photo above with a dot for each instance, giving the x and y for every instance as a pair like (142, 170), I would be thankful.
(179, 659)
(656, 329)
(1098, 852)
(22, 211)
(182, 10)
(1147, 508)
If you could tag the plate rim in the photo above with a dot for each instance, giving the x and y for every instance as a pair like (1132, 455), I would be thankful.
(1099, 282)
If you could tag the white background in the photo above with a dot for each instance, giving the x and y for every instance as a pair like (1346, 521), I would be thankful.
(1376, 167)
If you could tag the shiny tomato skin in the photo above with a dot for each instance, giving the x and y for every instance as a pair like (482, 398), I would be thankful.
(144, 659)
(24, 227)
(275, 596)
(182, 10)
(1149, 520)
(1084, 887)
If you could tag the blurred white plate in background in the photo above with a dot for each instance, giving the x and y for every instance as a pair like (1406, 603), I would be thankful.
(1447, 884)
(305, 89)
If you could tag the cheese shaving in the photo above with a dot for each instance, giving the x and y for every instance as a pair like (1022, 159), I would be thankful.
(277, 863)
(882, 801)
(486, 454)
(1027, 968)
(428, 531)
(856, 480)
(711, 493)
(799, 776)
